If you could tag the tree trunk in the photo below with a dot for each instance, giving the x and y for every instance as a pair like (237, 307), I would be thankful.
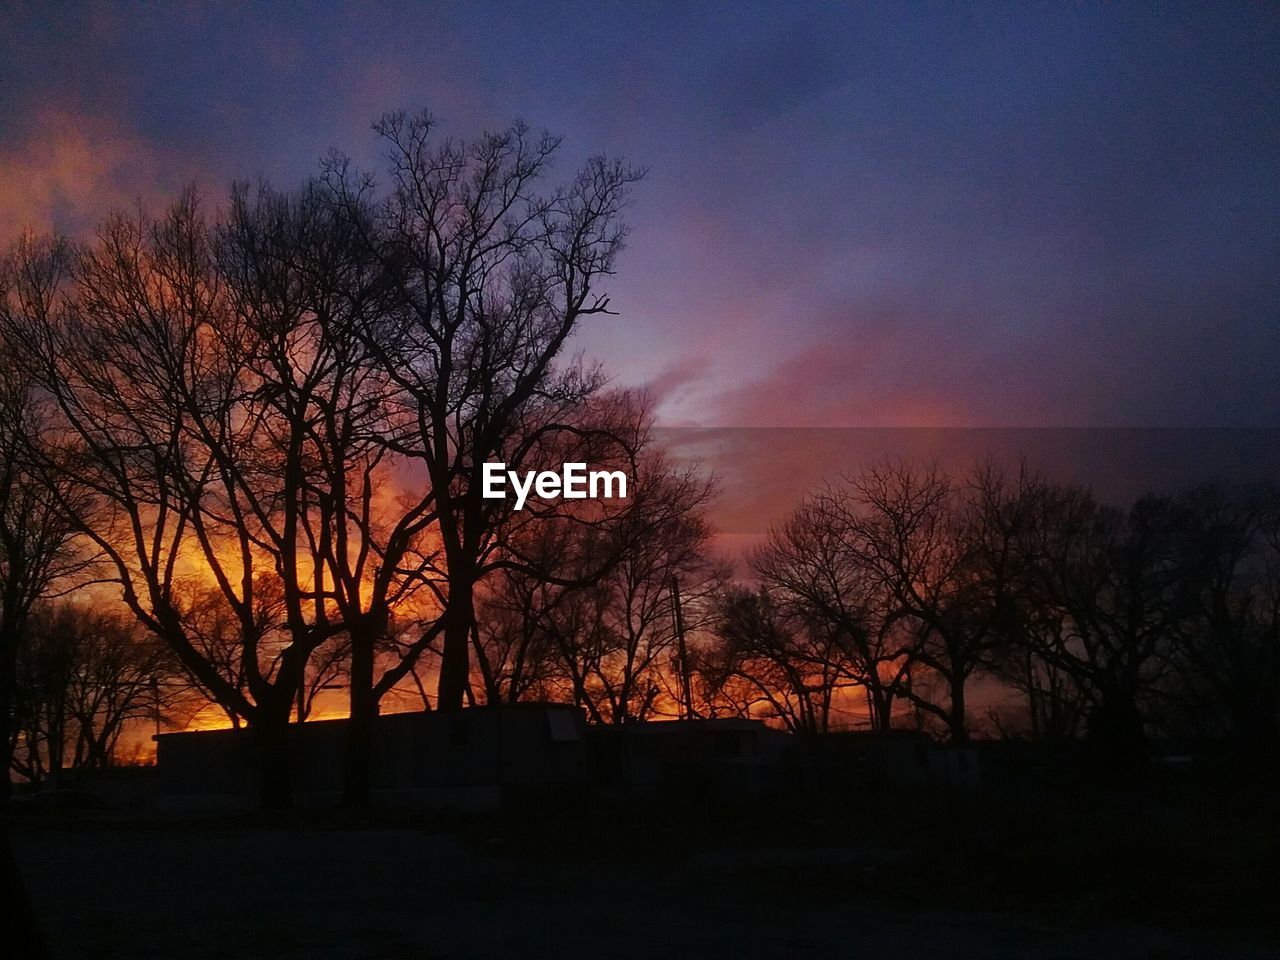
(882, 708)
(956, 724)
(274, 756)
(6, 750)
(356, 781)
(7, 671)
(1117, 730)
(455, 664)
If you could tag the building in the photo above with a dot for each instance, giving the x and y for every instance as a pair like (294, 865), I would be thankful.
(475, 759)
(722, 757)
(890, 758)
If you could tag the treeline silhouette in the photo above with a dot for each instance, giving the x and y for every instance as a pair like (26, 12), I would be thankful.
(907, 584)
(258, 432)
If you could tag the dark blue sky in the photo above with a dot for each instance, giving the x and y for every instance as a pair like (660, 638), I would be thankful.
(1015, 214)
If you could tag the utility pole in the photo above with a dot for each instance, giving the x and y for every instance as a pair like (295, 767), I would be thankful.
(686, 682)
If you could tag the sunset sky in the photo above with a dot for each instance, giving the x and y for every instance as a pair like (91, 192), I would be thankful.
(1017, 215)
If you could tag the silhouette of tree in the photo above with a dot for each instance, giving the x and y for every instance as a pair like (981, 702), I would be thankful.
(189, 375)
(301, 270)
(944, 554)
(490, 279)
(83, 675)
(38, 551)
(1107, 606)
(237, 396)
(589, 610)
(630, 660)
(1228, 651)
(768, 660)
(808, 566)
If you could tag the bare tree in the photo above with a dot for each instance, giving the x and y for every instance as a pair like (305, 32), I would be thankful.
(515, 656)
(38, 551)
(767, 658)
(300, 269)
(169, 368)
(1053, 704)
(945, 555)
(589, 611)
(632, 665)
(1228, 650)
(812, 565)
(1106, 606)
(490, 279)
(83, 676)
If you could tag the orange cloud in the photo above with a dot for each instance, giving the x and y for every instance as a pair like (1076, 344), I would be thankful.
(66, 169)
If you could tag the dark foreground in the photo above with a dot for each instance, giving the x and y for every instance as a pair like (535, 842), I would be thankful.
(1052, 875)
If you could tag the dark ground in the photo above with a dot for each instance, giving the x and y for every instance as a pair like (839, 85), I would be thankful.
(1162, 871)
